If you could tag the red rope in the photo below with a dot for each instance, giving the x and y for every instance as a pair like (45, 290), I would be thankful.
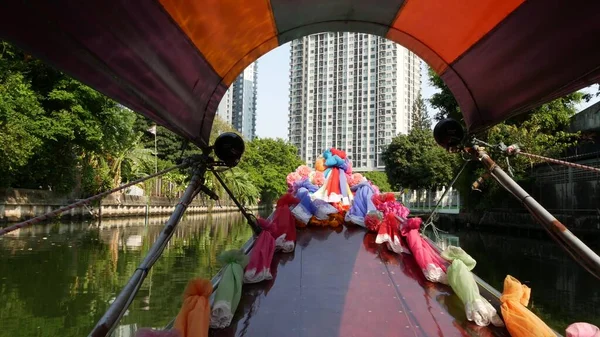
(514, 150)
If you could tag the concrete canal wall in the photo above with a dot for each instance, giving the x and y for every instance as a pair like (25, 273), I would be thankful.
(22, 204)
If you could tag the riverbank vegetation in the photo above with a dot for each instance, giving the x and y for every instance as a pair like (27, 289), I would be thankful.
(414, 161)
(61, 135)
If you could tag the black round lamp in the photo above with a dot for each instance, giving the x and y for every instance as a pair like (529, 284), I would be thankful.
(449, 133)
(229, 147)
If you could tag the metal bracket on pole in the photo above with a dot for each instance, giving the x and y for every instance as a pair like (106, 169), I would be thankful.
(115, 312)
(581, 253)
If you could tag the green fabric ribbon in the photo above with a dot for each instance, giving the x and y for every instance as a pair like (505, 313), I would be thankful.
(462, 281)
(229, 292)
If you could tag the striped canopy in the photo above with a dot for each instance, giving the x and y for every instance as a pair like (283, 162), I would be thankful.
(172, 60)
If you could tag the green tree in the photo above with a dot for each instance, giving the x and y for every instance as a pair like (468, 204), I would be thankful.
(63, 133)
(170, 144)
(543, 131)
(380, 179)
(240, 184)
(443, 100)
(268, 162)
(132, 162)
(219, 126)
(23, 126)
(415, 161)
(420, 117)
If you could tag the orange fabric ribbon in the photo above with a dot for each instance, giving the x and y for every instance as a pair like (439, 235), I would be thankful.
(194, 317)
(300, 224)
(320, 165)
(520, 322)
(335, 220)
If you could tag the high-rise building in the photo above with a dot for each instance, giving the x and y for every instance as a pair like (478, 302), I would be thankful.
(351, 91)
(238, 106)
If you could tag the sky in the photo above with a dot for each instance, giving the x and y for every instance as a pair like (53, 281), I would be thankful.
(273, 91)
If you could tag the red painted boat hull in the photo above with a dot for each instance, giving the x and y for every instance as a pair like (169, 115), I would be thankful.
(338, 282)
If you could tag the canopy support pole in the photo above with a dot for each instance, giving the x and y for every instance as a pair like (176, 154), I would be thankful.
(108, 322)
(249, 217)
(578, 250)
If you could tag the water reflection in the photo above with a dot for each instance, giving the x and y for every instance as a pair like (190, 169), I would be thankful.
(562, 291)
(58, 279)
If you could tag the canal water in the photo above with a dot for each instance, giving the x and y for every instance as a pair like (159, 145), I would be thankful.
(562, 292)
(58, 279)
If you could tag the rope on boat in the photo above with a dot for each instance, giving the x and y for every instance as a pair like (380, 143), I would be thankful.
(61, 210)
(514, 150)
(430, 219)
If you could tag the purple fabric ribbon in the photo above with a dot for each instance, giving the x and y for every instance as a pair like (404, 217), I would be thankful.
(363, 202)
(305, 183)
(343, 184)
(304, 197)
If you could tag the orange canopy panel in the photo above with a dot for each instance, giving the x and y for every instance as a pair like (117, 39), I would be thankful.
(172, 60)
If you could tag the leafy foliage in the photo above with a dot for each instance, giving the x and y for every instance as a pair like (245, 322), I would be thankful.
(268, 162)
(543, 131)
(56, 132)
(22, 125)
(415, 161)
(59, 134)
(443, 100)
(380, 179)
(420, 117)
(219, 126)
(240, 184)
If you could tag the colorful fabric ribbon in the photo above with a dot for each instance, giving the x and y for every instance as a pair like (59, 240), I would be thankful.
(284, 223)
(194, 316)
(362, 204)
(582, 330)
(520, 322)
(335, 188)
(259, 267)
(432, 265)
(461, 279)
(229, 292)
(389, 234)
(304, 183)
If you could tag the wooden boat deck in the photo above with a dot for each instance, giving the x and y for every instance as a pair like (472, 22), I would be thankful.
(340, 283)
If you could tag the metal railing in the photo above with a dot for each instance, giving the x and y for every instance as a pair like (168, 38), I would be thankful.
(426, 200)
